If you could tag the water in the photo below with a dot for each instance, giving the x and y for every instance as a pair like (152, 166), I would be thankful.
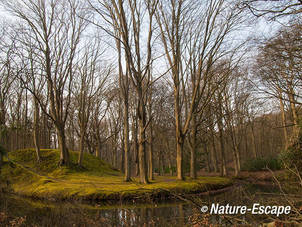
(17, 211)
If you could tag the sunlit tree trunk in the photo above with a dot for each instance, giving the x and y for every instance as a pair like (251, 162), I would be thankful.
(142, 140)
(135, 144)
(64, 154)
(54, 31)
(150, 139)
(126, 143)
(36, 131)
(179, 135)
(124, 88)
(193, 147)
(150, 153)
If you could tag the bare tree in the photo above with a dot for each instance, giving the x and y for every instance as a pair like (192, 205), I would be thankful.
(278, 70)
(56, 30)
(89, 86)
(193, 36)
(7, 74)
(138, 66)
(273, 9)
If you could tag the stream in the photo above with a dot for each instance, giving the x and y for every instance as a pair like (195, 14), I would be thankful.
(18, 211)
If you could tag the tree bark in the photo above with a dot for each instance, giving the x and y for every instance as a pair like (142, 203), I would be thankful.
(223, 170)
(236, 168)
(126, 142)
(36, 132)
(150, 153)
(293, 111)
(179, 157)
(142, 140)
(179, 136)
(169, 156)
(64, 154)
(253, 141)
(238, 158)
(283, 119)
(98, 148)
(193, 148)
(80, 158)
(135, 144)
(150, 142)
(221, 138)
(122, 166)
(214, 153)
(159, 163)
(208, 156)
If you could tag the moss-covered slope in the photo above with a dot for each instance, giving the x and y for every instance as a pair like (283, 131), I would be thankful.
(96, 180)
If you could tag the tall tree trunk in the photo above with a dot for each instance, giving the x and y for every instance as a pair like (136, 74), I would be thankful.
(214, 153)
(238, 158)
(234, 147)
(136, 161)
(150, 136)
(193, 148)
(283, 118)
(150, 153)
(142, 139)
(293, 111)
(159, 162)
(81, 145)
(114, 152)
(221, 140)
(223, 168)
(170, 155)
(179, 136)
(126, 141)
(64, 154)
(170, 165)
(122, 166)
(98, 148)
(208, 156)
(37, 129)
(253, 141)
(162, 164)
(179, 157)
(213, 159)
(3, 136)
(2, 113)
(236, 168)
(135, 145)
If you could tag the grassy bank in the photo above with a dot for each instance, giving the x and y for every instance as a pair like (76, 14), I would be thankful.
(96, 180)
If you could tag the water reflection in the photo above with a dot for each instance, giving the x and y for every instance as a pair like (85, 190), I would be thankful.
(34, 213)
(15, 211)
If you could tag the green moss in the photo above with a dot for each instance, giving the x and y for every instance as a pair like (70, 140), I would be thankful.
(96, 180)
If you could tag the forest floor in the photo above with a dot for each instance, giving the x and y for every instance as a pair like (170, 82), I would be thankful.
(95, 181)
(253, 176)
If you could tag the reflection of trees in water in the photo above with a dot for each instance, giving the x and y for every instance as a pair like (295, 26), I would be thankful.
(64, 214)
(265, 194)
(164, 216)
(13, 209)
